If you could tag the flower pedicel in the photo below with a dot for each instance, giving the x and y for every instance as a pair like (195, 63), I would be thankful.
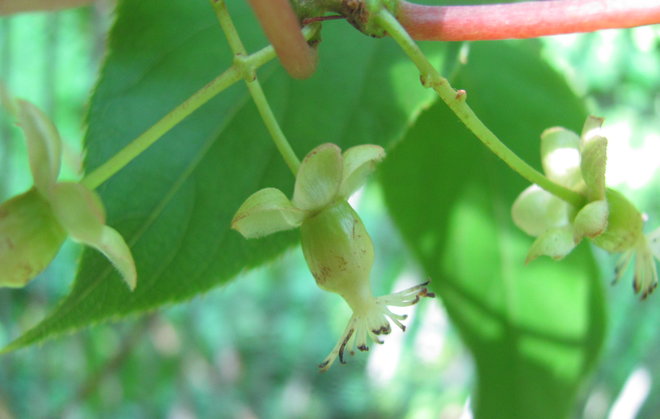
(336, 245)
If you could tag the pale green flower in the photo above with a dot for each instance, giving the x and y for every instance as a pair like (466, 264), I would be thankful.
(607, 217)
(337, 247)
(577, 163)
(33, 225)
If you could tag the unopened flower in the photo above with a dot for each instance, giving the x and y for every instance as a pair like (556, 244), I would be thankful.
(33, 225)
(606, 216)
(335, 243)
(578, 164)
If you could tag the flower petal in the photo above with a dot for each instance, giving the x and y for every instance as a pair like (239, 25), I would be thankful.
(591, 220)
(646, 274)
(265, 212)
(536, 211)
(81, 214)
(44, 145)
(593, 150)
(318, 178)
(556, 243)
(359, 162)
(622, 265)
(560, 155)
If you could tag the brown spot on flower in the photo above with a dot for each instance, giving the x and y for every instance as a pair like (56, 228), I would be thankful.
(343, 264)
(321, 276)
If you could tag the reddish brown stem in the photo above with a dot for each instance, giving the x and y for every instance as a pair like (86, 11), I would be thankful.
(283, 31)
(524, 20)
(8, 7)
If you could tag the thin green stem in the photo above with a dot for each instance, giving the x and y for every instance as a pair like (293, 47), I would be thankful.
(273, 126)
(254, 87)
(456, 100)
(228, 27)
(160, 128)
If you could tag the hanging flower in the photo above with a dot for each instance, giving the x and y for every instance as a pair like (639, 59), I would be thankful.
(335, 243)
(577, 163)
(33, 225)
(606, 216)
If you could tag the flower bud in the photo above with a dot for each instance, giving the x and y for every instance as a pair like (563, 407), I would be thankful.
(339, 252)
(624, 225)
(30, 237)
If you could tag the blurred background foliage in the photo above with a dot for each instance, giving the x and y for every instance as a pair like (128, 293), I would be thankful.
(250, 349)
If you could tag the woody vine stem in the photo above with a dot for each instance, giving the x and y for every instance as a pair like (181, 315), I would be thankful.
(423, 22)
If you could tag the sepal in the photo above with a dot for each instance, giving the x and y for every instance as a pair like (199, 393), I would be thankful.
(115, 248)
(591, 220)
(81, 214)
(44, 145)
(359, 162)
(318, 178)
(556, 243)
(78, 210)
(265, 212)
(593, 149)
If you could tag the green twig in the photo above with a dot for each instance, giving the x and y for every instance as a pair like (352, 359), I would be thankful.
(456, 100)
(249, 75)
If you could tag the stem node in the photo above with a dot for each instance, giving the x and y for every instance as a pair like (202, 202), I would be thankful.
(245, 68)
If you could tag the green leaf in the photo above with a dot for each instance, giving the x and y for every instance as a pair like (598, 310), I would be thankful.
(534, 330)
(174, 203)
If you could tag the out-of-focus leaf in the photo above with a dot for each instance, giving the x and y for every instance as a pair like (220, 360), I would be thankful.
(174, 203)
(534, 330)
